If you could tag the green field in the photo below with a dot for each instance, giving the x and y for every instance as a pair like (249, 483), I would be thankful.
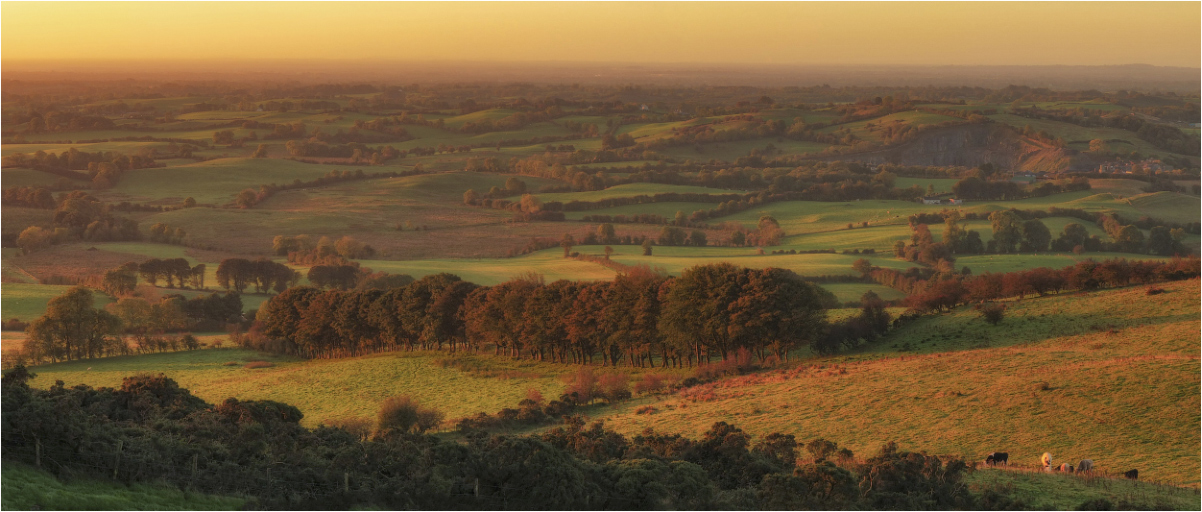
(632, 190)
(848, 292)
(328, 389)
(665, 210)
(26, 488)
(1042, 491)
(214, 181)
(549, 263)
(28, 301)
(1011, 262)
(675, 259)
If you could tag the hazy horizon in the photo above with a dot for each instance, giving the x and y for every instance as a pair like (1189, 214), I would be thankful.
(651, 33)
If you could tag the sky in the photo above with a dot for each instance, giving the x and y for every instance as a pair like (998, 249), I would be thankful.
(794, 33)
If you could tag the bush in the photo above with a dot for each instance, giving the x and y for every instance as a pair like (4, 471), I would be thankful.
(403, 414)
(992, 312)
(650, 383)
(581, 385)
(13, 324)
(821, 449)
(613, 387)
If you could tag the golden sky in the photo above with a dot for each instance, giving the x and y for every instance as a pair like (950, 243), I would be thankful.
(988, 33)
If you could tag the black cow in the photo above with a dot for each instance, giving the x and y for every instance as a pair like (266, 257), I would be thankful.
(1133, 474)
(996, 458)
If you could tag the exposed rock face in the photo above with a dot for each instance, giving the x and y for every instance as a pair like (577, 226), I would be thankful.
(971, 145)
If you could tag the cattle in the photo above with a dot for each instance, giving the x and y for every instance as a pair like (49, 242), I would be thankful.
(996, 458)
(1046, 460)
(1085, 465)
(1066, 468)
(1133, 474)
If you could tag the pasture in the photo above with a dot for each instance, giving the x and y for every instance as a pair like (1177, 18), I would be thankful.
(332, 389)
(28, 301)
(632, 190)
(1109, 375)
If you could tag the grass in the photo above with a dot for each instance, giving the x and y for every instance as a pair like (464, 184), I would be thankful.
(369, 210)
(847, 292)
(26, 488)
(665, 210)
(1011, 262)
(549, 263)
(1120, 371)
(1065, 492)
(633, 189)
(28, 301)
(16, 177)
(331, 389)
(675, 259)
(212, 181)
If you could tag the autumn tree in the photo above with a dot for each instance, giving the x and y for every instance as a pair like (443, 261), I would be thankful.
(71, 329)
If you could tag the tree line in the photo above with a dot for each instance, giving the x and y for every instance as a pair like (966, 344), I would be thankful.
(946, 289)
(73, 328)
(79, 216)
(637, 319)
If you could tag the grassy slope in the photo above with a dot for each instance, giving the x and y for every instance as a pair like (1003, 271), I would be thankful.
(1078, 137)
(1122, 387)
(550, 263)
(26, 488)
(1065, 492)
(328, 389)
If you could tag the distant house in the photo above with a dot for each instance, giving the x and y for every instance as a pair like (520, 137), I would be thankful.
(955, 201)
(644, 107)
(931, 200)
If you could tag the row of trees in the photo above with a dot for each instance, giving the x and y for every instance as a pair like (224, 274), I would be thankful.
(78, 216)
(263, 274)
(710, 311)
(302, 249)
(946, 290)
(173, 271)
(73, 328)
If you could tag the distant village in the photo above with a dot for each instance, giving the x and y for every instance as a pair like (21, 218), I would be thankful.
(1149, 166)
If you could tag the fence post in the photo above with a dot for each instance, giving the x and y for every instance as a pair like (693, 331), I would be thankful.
(117, 462)
(37, 452)
(195, 461)
(477, 488)
(346, 481)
